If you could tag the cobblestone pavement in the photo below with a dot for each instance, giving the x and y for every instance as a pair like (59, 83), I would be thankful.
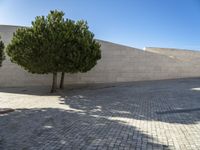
(140, 115)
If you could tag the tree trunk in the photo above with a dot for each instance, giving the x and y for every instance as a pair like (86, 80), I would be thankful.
(62, 80)
(54, 83)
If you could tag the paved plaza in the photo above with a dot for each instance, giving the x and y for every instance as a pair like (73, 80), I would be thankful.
(139, 115)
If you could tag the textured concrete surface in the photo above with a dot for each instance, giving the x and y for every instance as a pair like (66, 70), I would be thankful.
(180, 55)
(154, 115)
(118, 64)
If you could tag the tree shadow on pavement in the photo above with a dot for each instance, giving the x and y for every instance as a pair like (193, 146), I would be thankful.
(128, 115)
(63, 129)
(170, 102)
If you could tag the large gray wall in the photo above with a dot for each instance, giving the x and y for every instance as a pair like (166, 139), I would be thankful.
(118, 64)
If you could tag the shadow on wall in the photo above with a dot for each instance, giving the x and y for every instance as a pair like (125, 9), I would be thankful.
(45, 90)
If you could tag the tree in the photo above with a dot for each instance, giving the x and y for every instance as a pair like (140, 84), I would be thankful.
(38, 48)
(54, 44)
(2, 56)
(81, 52)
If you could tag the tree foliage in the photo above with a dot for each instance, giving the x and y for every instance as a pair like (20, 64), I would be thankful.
(82, 51)
(38, 48)
(54, 44)
(2, 56)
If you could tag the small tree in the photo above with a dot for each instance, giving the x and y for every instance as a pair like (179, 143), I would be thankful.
(2, 56)
(54, 44)
(38, 49)
(81, 52)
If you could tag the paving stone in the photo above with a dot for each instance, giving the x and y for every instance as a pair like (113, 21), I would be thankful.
(140, 115)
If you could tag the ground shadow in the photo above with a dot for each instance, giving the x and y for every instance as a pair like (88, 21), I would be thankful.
(103, 116)
(179, 111)
(170, 101)
(62, 129)
(45, 90)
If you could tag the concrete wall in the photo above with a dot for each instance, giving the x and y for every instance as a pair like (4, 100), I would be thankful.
(118, 64)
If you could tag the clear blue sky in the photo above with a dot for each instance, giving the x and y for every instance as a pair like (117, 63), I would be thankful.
(137, 23)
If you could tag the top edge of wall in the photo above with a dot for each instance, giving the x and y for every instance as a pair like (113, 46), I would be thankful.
(170, 49)
(102, 41)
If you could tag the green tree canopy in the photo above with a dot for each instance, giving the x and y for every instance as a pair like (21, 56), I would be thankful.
(54, 44)
(2, 56)
(82, 52)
